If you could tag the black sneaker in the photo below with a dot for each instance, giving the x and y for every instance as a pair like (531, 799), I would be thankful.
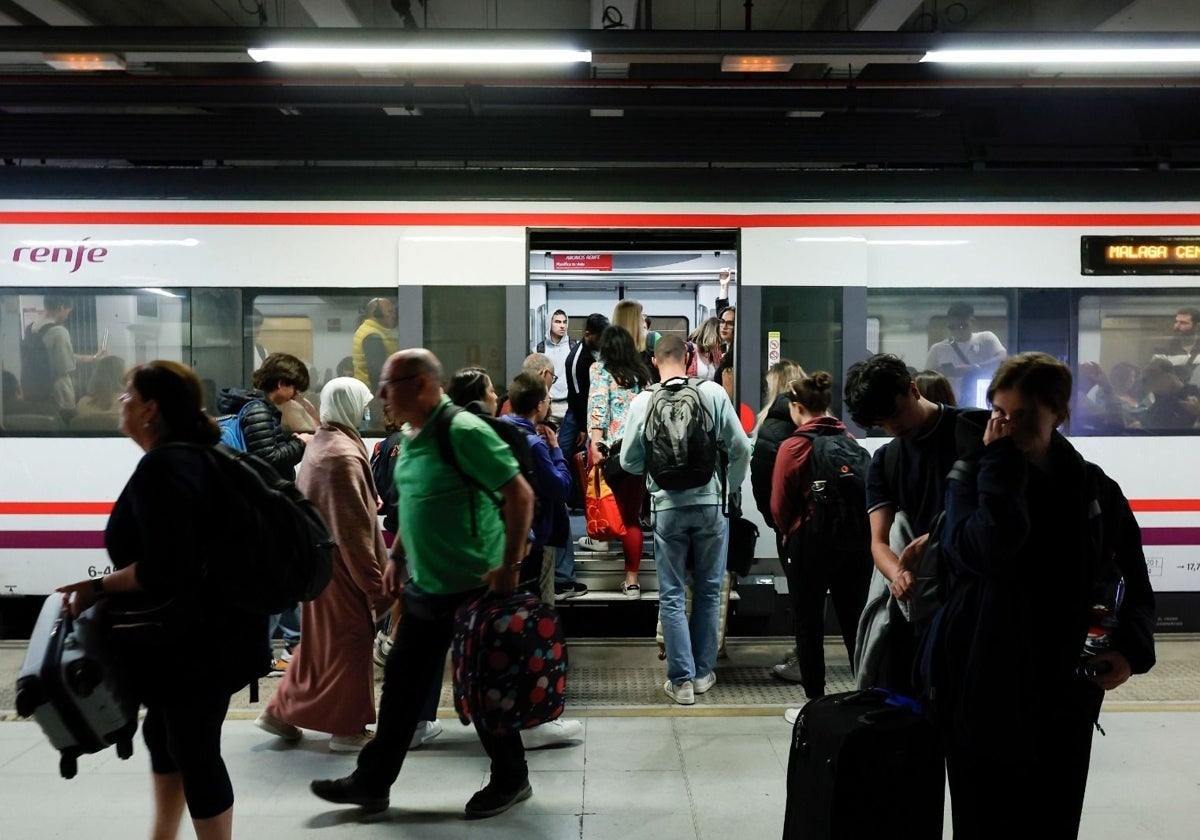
(346, 791)
(493, 800)
(562, 591)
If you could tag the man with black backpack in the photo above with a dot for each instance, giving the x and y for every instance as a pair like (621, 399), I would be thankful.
(685, 435)
(818, 501)
(452, 545)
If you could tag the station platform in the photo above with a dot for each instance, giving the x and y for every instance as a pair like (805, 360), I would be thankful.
(644, 767)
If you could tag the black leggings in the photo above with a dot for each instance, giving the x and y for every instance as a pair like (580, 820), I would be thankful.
(812, 570)
(183, 735)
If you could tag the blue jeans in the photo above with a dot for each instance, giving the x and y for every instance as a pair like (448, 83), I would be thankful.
(704, 530)
(289, 620)
(564, 563)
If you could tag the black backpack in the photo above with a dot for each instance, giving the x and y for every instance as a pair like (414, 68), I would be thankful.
(838, 494)
(510, 434)
(383, 470)
(682, 451)
(287, 553)
(37, 377)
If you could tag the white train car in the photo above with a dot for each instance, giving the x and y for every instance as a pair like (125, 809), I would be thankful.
(474, 281)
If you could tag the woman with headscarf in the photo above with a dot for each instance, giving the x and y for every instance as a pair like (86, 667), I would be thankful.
(329, 685)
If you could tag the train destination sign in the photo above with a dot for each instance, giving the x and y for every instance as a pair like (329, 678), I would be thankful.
(1115, 255)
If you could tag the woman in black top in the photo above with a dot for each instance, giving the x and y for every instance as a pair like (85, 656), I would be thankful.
(162, 532)
(1049, 606)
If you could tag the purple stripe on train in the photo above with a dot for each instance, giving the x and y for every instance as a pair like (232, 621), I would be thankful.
(1171, 536)
(51, 539)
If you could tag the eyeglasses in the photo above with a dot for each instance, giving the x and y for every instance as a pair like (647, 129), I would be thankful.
(726, 322)
(553, 376)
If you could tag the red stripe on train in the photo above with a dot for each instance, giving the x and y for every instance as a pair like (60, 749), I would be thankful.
(56, 508)
(593, 220)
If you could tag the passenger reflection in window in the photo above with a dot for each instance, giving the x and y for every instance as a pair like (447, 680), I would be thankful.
(1176, 405)
(1183, 350)
(1096, 409)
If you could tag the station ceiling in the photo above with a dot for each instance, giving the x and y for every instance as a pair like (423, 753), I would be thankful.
(662, 89)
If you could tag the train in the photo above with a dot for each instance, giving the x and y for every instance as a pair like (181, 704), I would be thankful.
(210, 281)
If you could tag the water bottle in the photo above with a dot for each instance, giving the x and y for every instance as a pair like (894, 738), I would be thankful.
(1104, 621)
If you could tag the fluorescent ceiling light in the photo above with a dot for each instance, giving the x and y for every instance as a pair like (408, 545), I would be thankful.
(1065, 56)
(756, 63)
(84, 61)
(403, 55)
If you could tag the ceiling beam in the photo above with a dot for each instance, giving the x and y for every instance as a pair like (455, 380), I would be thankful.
(55, 12)
(331, 13)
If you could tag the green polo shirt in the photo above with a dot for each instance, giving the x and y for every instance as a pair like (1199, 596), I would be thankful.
(444, 556)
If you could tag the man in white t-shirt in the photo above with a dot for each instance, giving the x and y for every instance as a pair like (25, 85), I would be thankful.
(966, 357)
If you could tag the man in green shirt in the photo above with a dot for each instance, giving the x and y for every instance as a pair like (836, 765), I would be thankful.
(452, 544)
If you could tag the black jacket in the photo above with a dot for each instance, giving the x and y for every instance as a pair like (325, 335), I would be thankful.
(579, 364)
(1027, 554)
(264, 435)
(776, 427)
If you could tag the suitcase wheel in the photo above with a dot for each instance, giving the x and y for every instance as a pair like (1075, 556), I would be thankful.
(67, 766)
(124, 748)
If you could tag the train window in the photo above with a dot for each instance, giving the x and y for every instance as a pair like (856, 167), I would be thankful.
(465, 325)
(333, 333)
(808, 320)
(64, 353)
(1137, 370)
(964, 337)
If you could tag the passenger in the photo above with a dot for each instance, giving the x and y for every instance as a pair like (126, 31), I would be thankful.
(53, 382)
(280, 379)
(935, 387)
(449, 566)
(881, 392)
(260, 351)
(728, 316)
(651, 335)
(724, 373)
(374, 340)
(966, 357)
(1039, 549)
(1184, 347)
(530, 401)
(689, 521)
(104, 391)
(557, 346)
(616, 379)
(775, 425)
(1098, 410)
(345, 367)
(160, 535)
(1126, 382)
(383, 471)
(14, 401)
(329, 685)
(472, 384)
(707, 340)
(579, 363)
(1176, 405)
(724, 277)
(815, 565)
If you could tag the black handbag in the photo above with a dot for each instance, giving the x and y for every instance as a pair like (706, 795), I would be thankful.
(743, 539)
(611, 467)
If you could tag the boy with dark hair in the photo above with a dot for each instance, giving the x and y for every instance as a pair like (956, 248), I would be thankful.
(907, 475)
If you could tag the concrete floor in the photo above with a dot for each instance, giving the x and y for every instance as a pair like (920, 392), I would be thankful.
(643, 768)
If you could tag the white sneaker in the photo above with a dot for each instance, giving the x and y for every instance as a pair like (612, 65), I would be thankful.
(267, 722)
(381, 649)
(632, 591)
(684, 694)
(426, 731)
(350, 743)
(703, 684)
(589, 544)
(790, 716)
(551, 732)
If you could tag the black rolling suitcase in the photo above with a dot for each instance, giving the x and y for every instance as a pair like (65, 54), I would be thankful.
(70, 686)
(864, 764)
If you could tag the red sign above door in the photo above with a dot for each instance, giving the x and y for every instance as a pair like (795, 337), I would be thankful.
(590, 262)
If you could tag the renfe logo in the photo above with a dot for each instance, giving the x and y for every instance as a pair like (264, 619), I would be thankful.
(74, 256)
